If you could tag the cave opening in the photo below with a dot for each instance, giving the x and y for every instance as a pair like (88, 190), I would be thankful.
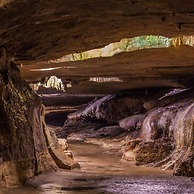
(129, 132)
(85, 109)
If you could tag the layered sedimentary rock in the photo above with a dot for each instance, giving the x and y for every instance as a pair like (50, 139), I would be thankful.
(23, 147)
(23, 151)
(167, 135)
(35, 31)
(162, 136)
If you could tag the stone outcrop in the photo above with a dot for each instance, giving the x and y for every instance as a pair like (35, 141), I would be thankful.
(109, 109)
(167, 136)
(23, 150)
(24, 138)
(162, 136)
(102, 112)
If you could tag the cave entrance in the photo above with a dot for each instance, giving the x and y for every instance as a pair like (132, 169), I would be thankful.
(97, 146)
(115, 120)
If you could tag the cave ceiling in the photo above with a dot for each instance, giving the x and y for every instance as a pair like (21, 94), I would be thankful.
(36, 31)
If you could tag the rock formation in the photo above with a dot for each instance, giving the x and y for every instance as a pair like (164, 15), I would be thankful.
(23, 149)
(106, 109)
(164, 133)
(37, 34)
(167, 135)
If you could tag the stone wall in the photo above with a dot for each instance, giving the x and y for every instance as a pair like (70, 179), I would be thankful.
(23, 150)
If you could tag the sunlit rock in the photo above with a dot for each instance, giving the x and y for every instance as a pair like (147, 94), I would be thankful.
(51, 82)
(54, 82)
(125, 45)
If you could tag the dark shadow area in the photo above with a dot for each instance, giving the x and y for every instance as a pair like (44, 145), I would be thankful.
(56, 118)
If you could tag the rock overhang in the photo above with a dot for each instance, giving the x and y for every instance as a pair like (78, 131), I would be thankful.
(36, 30)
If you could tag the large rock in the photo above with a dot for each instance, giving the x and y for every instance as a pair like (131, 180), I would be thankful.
(23, 150)
(24, 137)
(173, 123)
(110, 109)
(166, 138)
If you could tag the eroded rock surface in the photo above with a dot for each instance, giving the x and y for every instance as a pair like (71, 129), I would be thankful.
(109, 109)
(162, 136)
(23, 150)
(23, 147)
(167, 135)
(35, 31)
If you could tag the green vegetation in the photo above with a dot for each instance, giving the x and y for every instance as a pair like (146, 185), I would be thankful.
(127, 45)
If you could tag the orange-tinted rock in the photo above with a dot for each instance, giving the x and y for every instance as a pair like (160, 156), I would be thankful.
(23, 150)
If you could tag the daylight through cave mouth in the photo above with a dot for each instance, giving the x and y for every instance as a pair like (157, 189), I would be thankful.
(125, 45)
(102, 85)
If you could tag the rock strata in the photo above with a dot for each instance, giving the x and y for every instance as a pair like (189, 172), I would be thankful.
(23, 150)
(161, 136)
(167, 137)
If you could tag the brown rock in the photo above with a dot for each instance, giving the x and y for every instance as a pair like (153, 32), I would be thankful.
(132, 123)
(23, 151)
(61, 159)
(148, 152)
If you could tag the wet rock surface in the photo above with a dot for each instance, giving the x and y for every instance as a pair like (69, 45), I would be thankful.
(23, 150)
(103, 172)
(24, 137)
(162, 136)
(36, 31)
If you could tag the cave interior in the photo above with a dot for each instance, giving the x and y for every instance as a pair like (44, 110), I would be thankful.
(102, 69)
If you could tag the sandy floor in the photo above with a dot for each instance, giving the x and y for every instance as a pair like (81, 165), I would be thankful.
(104, 173)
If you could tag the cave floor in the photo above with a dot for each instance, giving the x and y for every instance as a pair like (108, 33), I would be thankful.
(103, 172)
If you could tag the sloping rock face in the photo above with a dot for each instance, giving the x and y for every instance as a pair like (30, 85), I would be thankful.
(167, 135)
(173, 123)
(27, 147)
(61, 159)
(109, 109)
(100, 113)
(162, 136)
(23, 150)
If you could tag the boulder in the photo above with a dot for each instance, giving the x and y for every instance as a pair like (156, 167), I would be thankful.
(110, 109)
(132, 123)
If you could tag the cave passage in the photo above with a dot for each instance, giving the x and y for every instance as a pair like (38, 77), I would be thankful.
(98, 148)
(104, 172)
(96, 96)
